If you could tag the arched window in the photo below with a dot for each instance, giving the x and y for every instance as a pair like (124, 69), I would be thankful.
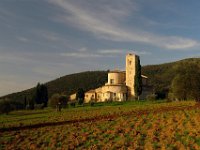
(111, 81)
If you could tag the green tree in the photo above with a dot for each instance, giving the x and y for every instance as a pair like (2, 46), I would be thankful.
(186, 84)
(80, 96)
(25, 102)
(41, 94)
(5, 106)
(31, 104)
(63, 99)
(138, 79)
(58, 98)
(179, 87)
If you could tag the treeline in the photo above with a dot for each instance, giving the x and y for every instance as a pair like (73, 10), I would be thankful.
(167, 80)
(66, 85)
(39, 100)
(55, 90)
(186, 84)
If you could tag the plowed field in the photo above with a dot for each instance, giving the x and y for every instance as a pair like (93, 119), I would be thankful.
(154, 126)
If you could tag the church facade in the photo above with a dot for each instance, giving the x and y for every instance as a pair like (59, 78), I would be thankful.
(120, 85)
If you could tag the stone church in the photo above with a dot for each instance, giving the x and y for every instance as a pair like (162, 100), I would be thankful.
(120, 85)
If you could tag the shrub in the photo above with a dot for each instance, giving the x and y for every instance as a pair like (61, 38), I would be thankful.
(92, 103)
(57, 98)
(39, 106)
(5, 106)
(109, 100)
(151, 97)
(31, 104)
(72, 103)
(15, 105)
(53, 101)
(63, 99)
(170, 97)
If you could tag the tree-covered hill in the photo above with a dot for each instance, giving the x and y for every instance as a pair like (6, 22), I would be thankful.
(67, 84)
(159, 76)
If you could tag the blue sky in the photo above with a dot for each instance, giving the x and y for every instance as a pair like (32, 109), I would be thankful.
(41, 40)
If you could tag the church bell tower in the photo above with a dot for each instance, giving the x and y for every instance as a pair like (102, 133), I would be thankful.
(130, 74)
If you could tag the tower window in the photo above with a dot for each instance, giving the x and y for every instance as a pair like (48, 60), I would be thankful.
(130, 62)
(111, 81)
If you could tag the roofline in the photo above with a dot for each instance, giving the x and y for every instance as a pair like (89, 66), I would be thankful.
(144, 76)
(117, 71)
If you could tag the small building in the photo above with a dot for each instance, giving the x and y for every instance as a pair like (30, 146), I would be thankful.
(90, 96)
(72, 97)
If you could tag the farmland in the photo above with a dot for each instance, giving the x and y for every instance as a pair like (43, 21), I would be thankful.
(134, 125)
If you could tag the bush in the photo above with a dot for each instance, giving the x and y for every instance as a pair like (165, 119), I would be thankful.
(151, 97)
(16, 105)
(39, 106)
(72, 103)
(31, 104)
(5, 106)
(92, 103)
(57, 98)
(161, 94)
(63, 99)
(53, 101)
(170, 97)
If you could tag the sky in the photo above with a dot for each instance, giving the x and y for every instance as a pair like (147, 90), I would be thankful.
(41, 40)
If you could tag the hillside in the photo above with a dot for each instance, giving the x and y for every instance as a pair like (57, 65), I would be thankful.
(67, 84)
(160, 77)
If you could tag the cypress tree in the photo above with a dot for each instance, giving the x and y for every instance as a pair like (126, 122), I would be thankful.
(138, 79)
(25, 102)
(80, 96)
(41, 94)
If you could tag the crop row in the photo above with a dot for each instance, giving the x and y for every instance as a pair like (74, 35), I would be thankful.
(27, 117)
(164, 130)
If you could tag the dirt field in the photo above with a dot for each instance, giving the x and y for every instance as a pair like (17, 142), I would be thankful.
(148, 126)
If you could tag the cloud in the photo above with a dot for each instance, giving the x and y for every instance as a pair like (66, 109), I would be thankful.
(49, 35)
(140, 52)
(105, 20)
(6, 14)
(14, 58)
(23, 39)
(80, 55)
(111, 51)
(178, 42)
(122, 51)
(84, 49)
(85, 53)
